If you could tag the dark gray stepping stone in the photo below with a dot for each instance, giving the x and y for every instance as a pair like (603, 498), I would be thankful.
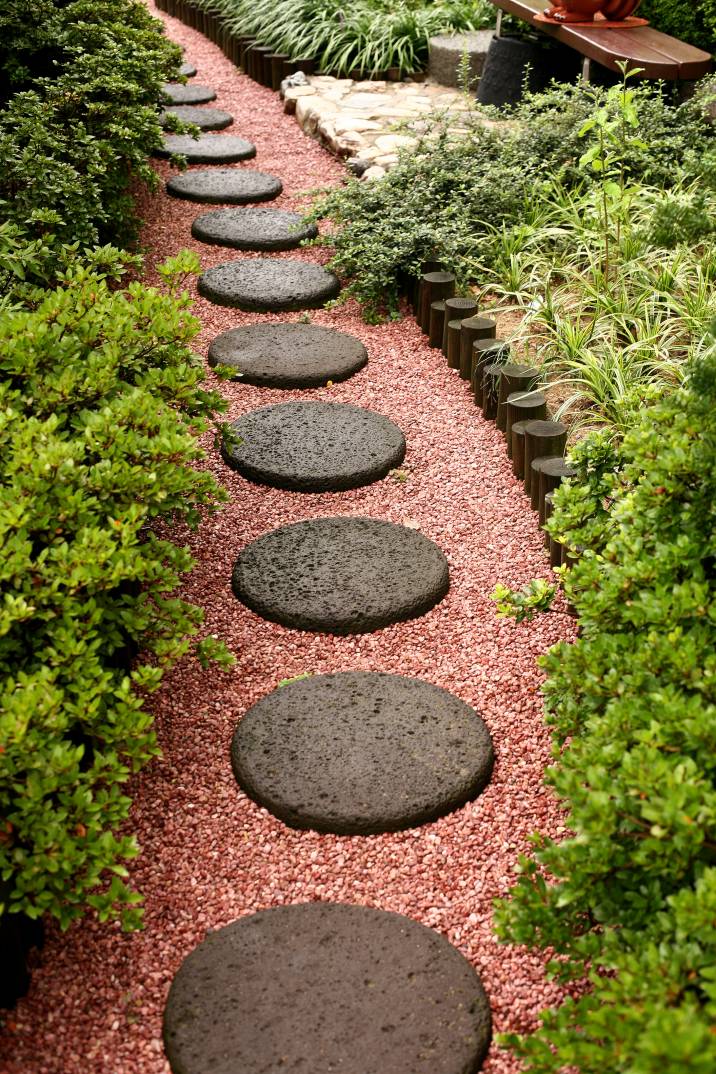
(341, 575)
(288, 355)
(179, 93)
(325, 987)
(217, 186)
(267, 284)
(253, 229)
(314, 447)
(360, 752)
(207, 119)
(207, 148)
(188, 70)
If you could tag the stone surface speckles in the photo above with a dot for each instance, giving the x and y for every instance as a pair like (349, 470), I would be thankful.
(190, 93)
(288, 355)
(224, 186)
(314, 447)
(253, 229)
(266, 284)
(358, 753)
(206, 119)
(207, 148)
(324, 987)
(341, 575)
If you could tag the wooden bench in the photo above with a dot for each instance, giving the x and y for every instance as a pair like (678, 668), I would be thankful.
(659, 55)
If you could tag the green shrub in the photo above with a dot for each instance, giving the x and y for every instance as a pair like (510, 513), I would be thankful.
(628, 901)
(450, 198)
(101, 404)
(80, 115)
(370, 35)
(687, 20)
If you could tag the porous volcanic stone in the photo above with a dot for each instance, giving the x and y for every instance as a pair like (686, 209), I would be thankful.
(267, 284)
(207, 119)
(179, 93)
(341, 575)
(361, 752)
(225, 186)
(288, 355)
(253, 229)
(207, 148)
(314, 447)
(325, 987)
(187, 69)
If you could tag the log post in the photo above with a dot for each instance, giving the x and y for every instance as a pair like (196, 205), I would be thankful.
(456, 309)
(550, 478)
(542, 438)
(490, 389)
(485, 351)
(434, 287)
(473, 328)
(537, 464)
(523, 406)
(277, 61)
(515, 377)
(437, 321)
(517, 441)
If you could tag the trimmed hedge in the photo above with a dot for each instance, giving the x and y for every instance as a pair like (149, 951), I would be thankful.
(628, 902)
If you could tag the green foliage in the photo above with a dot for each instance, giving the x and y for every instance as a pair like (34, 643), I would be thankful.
(369, 35)
(693, 21)
(523, 605)
(452, 198)
(628, 901)
(101, 405)
(81, 85)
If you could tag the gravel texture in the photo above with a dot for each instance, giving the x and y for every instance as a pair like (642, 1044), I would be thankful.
(361, 752)
(209, 854)
(322, 988)
(207, 148)
(253, 229)
(341, 575)
(288, 355)
(206, 119)
(268, 285)
(223, 186)
(314, 447)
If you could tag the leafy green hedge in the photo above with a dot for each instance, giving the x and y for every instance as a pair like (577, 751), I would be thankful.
(79, 87)
(101, 407)
(693, 21)
(628, 901)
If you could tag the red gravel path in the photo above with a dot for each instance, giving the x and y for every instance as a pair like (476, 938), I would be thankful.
(210, 855)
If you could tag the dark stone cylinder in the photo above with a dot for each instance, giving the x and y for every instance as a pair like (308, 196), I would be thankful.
(453, 344)
(485, 351)
(537, 465)
(515, 377)
(457, 309)
(277, 60)
(542, 438)
(471, 329)
(434, 287)
(550, 478)
(437, 321)
(523, 406)
(517, 447)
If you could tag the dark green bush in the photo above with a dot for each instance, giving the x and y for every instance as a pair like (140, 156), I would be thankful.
(101, 404)
(690, 20)
(447, 199)
(628, 901)
(80, 84)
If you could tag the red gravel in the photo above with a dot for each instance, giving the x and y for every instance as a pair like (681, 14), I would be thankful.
(209, 854)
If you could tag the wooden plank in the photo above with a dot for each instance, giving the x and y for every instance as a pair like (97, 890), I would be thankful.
(658, 54)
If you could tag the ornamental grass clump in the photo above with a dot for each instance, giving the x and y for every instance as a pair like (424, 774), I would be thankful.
(101, 405)
(628, 901)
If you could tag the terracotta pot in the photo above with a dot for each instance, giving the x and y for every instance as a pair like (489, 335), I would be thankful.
(575, 10)
(619, 9)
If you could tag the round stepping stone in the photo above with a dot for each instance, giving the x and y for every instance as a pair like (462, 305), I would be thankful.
(288, 355)
(341, 575)
(359, 752)
(207, 119)
(179, 93)
(207, 148)
(323, 987)
(253, 229)
(314, 447)
(266, 284)
(188, 70)
(217, 186)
